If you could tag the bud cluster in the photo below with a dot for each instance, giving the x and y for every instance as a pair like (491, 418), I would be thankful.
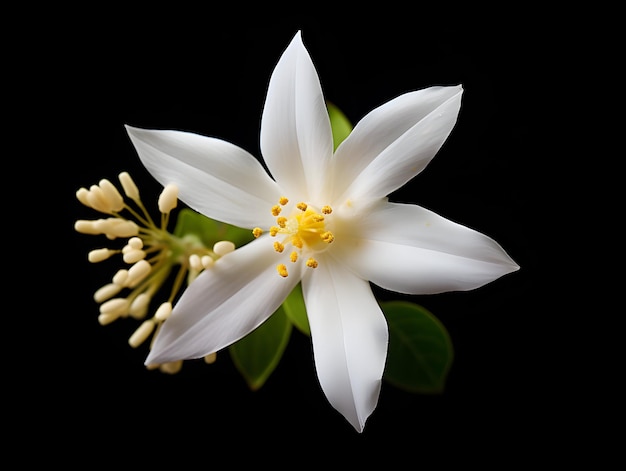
(150, 253)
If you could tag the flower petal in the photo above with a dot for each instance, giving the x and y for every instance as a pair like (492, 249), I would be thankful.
(349, 334)
(409, 249)
(296, 137)
(226, 302)
(394, 142)
(216, 178)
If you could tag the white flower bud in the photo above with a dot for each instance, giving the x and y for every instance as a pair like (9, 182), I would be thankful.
(223, 247)
(120, 277)
(139, 306)
(171, 367)
(115, 306)
(141, 334)
(106, 292)
(134, 255)
(129, 186)
(98, 255)
(194, 262)
(114, 227)
(168, 198)
(163, 312)
(97, 199)
(135, 243)
(207, 261)
(106, 318)
(111, 195)
(82, 196)
(137, 272)
(86, 227)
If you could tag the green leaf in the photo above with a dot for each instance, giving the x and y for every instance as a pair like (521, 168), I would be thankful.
(209, 231)
(296, 311)
(257, 355)
(340, 125)
(420, 350)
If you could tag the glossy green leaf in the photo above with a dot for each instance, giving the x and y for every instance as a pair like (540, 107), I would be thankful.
(296, 311)
(209, 231)
(340, 125)
(257, 355)
(420, 350)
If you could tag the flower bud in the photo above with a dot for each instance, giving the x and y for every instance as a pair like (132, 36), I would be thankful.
(139, 306)
(171, 367)
(81, 195)
(134, 255)
(168, 198)
(106, 292)
(86, 227)
(111, 195)
(141, 334)
(135, 243)
(117, 306)
(223, 247)
(117, 227)
(137, 272)
(163, 312)
(97, 200)
(98, 255)
(194, 262)
(129, 186)
(120, 277)
(105, 318)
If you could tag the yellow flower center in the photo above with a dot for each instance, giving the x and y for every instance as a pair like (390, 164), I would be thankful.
(304, 229)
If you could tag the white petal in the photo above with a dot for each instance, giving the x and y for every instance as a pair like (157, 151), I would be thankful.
(226, 302)
(394, 142)
(296, 138)
(216, 178)
(350, 335)
(409, 249)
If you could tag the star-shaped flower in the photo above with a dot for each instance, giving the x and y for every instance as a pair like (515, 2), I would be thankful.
(322, 218)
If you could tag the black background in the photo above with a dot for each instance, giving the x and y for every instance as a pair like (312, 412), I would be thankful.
(208, 73)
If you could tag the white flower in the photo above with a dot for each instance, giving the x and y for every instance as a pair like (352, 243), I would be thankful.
(323, 219)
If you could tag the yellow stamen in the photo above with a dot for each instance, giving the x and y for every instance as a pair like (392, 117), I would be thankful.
(282, 270)
(257, 231)
(297, 241)
(327, 237)
(305, 229)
